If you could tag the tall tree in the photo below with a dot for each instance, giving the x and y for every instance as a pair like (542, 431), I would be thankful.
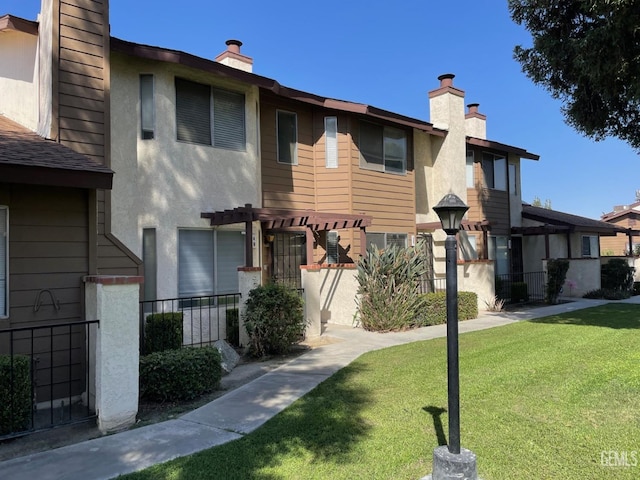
(587, 54)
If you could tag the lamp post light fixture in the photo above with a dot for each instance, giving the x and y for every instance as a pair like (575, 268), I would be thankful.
(452, 461)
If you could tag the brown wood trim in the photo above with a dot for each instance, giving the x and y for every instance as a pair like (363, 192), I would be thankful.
(114, 279)
(502, 147)
(10, 22)
(249, 269)
(33, 175)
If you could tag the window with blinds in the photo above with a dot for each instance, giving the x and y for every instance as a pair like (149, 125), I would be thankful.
(331, 141)
(383, 149)
(4, 260)
(210, 116)
(332, 247)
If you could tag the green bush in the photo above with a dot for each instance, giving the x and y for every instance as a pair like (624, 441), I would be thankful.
(617, 275)
(636, 288)
(233, 327)
(163, 331)
(557, 269)
(434, 308)
(274, 319)
(388, 288)
(607, 294)
(15, 409)
(183, 374)
(519, 292)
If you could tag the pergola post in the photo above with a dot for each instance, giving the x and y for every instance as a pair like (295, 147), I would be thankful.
(248, 243)
(309, 245)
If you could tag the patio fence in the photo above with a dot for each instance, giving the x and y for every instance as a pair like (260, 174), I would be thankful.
(521, 287)
(46, 375)
(430, 285)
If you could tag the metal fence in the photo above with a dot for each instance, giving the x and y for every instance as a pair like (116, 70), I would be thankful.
(430, 285)
(521, 287)
(205, 319)
(47, 376)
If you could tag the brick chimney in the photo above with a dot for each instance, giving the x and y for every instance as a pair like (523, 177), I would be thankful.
(233, 58)
(475, 122)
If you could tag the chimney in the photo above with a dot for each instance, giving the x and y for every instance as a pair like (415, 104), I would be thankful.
(475, 122)
(233, 58)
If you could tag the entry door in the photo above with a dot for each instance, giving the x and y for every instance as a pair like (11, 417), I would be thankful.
(289, 252)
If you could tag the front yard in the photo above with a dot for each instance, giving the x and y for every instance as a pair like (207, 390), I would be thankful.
(553, 398)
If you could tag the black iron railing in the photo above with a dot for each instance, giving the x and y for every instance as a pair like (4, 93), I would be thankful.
(521, 287)
(430, 285)
(205, 319)
(46, 376)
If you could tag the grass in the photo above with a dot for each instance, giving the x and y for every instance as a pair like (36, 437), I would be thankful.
(540, 399)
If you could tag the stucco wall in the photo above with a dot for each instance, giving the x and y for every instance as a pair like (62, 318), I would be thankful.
(18, 78)
(582, 277)
(478, 277)
(166, 184)
(332, 291)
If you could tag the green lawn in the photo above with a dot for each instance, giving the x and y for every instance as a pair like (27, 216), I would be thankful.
(540, 399)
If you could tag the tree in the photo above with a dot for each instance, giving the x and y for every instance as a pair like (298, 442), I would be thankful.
(587, 54)
(538, 203)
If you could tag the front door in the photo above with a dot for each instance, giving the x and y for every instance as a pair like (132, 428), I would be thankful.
(289, 252)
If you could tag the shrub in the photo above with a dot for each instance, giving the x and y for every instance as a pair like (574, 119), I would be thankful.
(607, 294)
(556, 274)
(233, 327)
(617, 275)
(274, 319)
(163, 331)
(15, 407)
(636, 288)
(183, 374)
(434, 308)
(519, 292)
(388, 288)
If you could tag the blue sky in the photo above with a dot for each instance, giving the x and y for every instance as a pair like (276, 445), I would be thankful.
(390, 57)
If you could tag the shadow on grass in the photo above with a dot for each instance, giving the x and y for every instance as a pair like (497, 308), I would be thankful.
(435, 413)
(612, 315)
(322, 427)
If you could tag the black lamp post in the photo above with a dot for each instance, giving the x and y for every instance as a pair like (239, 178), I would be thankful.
(452, 461)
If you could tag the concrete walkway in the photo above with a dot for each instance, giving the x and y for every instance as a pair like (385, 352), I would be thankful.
(240, 411)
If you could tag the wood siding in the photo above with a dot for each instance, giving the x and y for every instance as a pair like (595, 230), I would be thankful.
(619, 245)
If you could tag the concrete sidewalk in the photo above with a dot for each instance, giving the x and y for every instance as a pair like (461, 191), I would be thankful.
(240, 411)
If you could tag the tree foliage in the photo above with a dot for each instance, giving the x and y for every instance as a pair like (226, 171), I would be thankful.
(587, 54)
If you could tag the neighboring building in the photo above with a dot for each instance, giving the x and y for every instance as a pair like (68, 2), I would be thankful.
(626, 217)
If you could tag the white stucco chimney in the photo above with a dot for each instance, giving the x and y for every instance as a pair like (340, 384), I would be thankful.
(447, 111)
(475, 122)
(233, 58)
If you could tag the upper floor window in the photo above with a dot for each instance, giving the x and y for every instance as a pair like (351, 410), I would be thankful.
(494, 168)
(590, 246)
(4, 260)
(470, 169)
(513, 179)
(209, 116)
(147, 107)
(331, 141)
(287, 130)
(383, 148)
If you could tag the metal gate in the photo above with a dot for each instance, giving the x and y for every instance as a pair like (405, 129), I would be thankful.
(289, 253)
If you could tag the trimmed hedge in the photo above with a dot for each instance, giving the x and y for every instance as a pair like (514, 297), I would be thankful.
(434, 308)
(182, 374)
(519, 292)
(163, 331)
(20, 402)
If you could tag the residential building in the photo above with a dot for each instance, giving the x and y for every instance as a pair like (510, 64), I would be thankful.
(625, 242)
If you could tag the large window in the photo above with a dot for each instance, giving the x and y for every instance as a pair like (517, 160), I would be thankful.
(147, 107)
(384, 240)
(468, 249)
(287, 129)
(590, 246)
(494, 168)
(499, 251)
(383, 148)
(208, 262)
(209, 116)
(4, 260)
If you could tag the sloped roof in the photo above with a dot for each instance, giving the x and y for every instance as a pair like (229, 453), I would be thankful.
(627, 210)
(521, 152)
(558, 222)
(26, 157)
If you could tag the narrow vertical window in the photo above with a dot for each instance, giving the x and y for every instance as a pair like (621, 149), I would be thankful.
(470, 169)
(287, 129)
(331, 141)
(4, 260)
(150, 259)
(513, 180)
(332, 247)
(147, 108)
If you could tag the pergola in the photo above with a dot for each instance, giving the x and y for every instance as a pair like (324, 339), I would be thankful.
(276, 219)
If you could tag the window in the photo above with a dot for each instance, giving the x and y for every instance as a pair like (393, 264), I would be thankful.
(499, 251)
(590, 246)
(4, 260)
(494, 168)
(332, 247)
(209, 116)
(468, 247)
(470, 169)
(383, 148)
(150, 259)
(287, 129)
(384, 240)
(513, 179)
(147, 109)
(208, 261)
(331, 141)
